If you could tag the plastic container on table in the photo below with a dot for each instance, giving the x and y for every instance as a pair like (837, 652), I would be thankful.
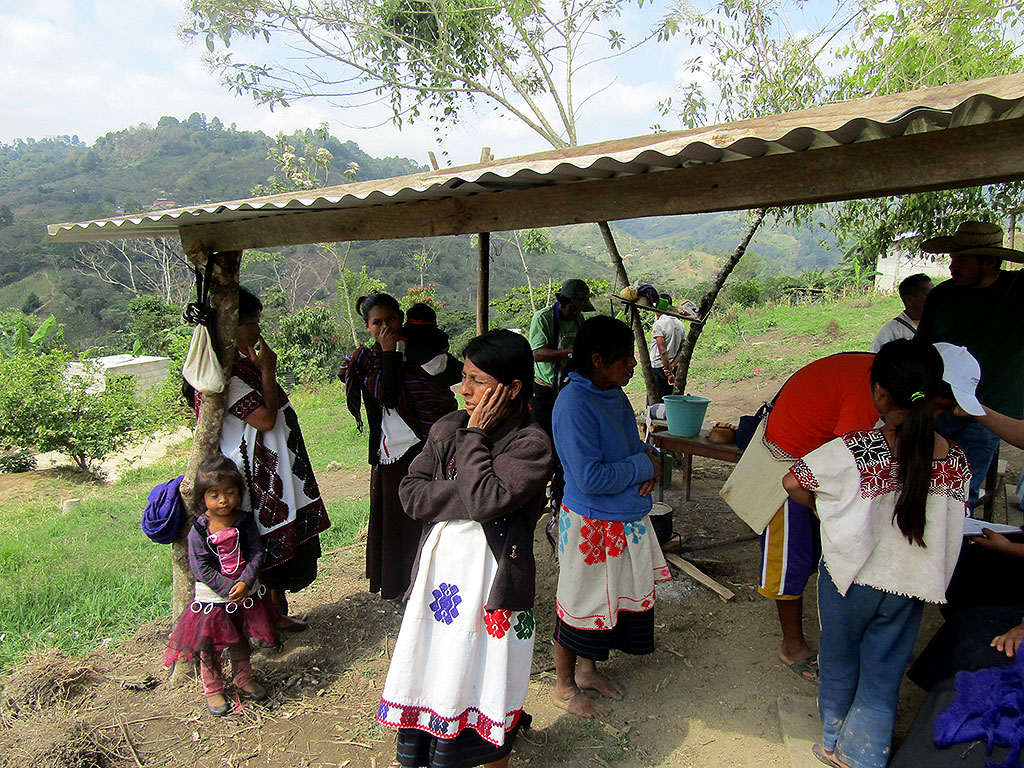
(685, 414)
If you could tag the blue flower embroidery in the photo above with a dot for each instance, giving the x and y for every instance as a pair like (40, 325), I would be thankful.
(563, 529)
(446, 601)
(382, 713)
(437, 724)
(525, 626)
(635, 531)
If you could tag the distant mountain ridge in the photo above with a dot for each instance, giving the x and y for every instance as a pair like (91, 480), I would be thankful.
(191, 161)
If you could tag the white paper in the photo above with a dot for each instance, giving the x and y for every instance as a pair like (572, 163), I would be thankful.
(973, 526)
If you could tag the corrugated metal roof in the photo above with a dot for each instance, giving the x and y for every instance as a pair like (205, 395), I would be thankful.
(796, 134)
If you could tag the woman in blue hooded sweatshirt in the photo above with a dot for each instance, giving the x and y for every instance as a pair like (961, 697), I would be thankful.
(609, 558)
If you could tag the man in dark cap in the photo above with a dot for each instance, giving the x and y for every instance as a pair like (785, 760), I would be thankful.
(552, 332)
(979, 307)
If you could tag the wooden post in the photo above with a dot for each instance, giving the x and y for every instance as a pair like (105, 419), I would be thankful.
(643, 355)
(224, 299)
(483, 282)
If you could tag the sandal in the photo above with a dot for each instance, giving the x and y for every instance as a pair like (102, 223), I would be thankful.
(819, 752)
(806, 669)
(257, 695)
(218, 710)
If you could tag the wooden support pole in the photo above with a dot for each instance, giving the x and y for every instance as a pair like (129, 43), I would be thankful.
(224, 299)
(483, 282)
(643, 355)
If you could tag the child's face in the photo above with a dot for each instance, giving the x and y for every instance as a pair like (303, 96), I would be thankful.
(221, 499)
(382, 317)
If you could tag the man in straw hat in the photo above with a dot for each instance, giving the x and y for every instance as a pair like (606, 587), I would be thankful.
(979, 307)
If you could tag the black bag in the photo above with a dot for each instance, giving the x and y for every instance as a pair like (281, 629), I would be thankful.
(748, 425)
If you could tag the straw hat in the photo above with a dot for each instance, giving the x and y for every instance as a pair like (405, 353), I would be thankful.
(978, 237)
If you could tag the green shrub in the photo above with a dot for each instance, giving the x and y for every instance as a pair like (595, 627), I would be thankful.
(308, 345)
(48, 410)
(17, 460)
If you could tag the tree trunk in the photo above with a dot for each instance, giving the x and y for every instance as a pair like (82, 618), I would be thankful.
(206, 443)
(706, 303)
(483, 285)
(642, 353)
(526, 272)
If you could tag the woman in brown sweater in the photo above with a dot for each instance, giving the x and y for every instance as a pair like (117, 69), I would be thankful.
(461, 665)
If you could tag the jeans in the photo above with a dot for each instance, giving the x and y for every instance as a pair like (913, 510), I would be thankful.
(866, 641)
(661, 380)
(979, 443)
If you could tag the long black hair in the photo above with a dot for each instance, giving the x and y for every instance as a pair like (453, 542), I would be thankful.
(364, 304)
(911, 372)
(601, 335)
(506, 356)
(249, 304)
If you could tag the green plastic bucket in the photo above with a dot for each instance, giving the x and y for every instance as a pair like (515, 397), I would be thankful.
(685, 414)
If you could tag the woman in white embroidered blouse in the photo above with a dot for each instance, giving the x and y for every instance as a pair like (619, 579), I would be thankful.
(892, 503)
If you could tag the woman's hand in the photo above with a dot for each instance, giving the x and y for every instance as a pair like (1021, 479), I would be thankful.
(491, 409)
(1010, 642)
(239, 591)
(387, 338)
(265, 359)
(656, 463)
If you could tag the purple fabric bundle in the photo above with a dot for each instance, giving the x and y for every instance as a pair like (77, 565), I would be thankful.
(989, 707)
(165, 513)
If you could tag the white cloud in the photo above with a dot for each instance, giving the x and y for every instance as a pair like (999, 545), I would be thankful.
(89, 67)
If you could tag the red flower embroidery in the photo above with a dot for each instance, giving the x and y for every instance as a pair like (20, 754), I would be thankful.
(592, 543)
(410, 717)
(615, 539)
(498, 622)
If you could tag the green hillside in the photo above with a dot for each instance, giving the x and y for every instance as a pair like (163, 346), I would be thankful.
(196, 160)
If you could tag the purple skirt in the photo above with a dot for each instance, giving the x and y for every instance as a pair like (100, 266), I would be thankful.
(208, 628)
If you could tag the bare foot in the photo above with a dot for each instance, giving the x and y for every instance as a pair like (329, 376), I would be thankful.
(591, 680)
(576, 702)
(216, 700)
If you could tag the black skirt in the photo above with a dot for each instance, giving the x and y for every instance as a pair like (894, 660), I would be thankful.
(392, 537)
(418, 748)
(633, 633)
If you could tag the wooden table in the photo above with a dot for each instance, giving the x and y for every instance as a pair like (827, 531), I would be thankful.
(689, 447)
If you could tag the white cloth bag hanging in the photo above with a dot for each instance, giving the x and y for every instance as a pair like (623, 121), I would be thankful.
(395, 437)
(202, 369)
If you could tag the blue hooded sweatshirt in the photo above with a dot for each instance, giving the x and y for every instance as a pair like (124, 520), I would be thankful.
(604, 459)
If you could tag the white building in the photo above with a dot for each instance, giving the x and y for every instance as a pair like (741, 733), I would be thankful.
(148, 371)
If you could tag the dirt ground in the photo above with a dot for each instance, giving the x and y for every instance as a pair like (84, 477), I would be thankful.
(706, 696)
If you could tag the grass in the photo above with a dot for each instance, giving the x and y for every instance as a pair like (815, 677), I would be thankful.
(72, 581)
(774, 341)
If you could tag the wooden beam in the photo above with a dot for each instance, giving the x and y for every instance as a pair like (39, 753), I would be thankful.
(967, 156)
(483, 282)
(698, 575)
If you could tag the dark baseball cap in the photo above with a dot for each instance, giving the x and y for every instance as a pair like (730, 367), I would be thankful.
(578, 293)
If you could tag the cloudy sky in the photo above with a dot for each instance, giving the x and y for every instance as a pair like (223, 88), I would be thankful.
(88, 67)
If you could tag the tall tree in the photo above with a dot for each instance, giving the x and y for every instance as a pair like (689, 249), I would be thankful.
(752, 63)
(916, 44)
(756, 62)
(433, 58)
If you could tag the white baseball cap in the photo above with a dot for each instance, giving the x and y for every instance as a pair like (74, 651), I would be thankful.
(961, 371)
